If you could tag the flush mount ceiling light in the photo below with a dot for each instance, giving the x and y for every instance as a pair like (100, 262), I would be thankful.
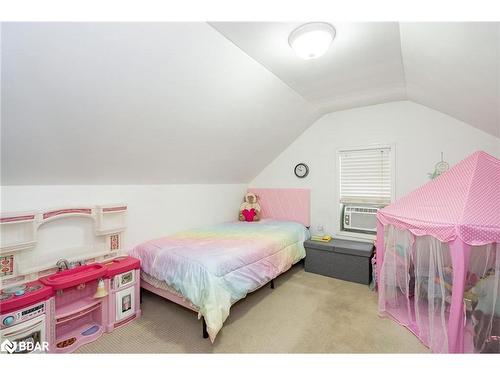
(311, 40)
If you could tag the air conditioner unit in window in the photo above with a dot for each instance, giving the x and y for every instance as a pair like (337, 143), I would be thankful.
(360, 218)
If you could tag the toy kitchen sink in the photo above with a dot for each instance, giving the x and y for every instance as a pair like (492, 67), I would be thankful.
(75, 276)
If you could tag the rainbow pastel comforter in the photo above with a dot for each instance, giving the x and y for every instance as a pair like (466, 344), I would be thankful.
(215, 266)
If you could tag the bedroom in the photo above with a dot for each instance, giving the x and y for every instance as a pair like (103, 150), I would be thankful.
(215, 187)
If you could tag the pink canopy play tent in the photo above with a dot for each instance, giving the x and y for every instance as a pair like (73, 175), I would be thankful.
(438, 259)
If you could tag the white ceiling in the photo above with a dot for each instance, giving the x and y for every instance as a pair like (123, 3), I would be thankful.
(455, 68)
(363, 65)
(102, 103)
(119, 103)
(451, 67)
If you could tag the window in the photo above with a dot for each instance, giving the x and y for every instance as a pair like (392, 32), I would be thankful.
(365, 184)
(365, 176)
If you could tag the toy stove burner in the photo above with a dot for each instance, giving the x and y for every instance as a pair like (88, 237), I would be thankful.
(33, 288)
(17, 291)
(5, 296)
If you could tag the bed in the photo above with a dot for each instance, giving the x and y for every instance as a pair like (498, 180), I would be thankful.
(208, 269)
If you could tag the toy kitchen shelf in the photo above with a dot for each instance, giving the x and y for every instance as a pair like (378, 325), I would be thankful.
(79, 317)
(110, 219)
(18, 231)
(70, 310)
(19, 238)
(77, 323)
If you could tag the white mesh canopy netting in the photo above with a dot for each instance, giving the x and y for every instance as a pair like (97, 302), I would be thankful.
(416, 289)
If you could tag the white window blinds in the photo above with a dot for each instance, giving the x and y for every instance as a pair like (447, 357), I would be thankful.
(365, 176)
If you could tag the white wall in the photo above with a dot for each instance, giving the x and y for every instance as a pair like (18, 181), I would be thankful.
(153, 210)
(418, 133)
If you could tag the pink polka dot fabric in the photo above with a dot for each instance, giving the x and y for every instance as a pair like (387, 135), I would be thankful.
(464, 202)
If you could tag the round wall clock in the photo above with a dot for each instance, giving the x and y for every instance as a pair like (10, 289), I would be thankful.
(301, 170)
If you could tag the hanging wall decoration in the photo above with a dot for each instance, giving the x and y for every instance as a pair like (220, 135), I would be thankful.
(439, 168)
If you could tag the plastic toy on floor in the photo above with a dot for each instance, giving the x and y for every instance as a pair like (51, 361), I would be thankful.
(486, 315)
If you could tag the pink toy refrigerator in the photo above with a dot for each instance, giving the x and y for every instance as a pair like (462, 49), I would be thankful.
(123, 283)
(438, 259)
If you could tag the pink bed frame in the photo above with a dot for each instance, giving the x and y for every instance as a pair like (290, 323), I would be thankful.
(279, 204)
(168, 295)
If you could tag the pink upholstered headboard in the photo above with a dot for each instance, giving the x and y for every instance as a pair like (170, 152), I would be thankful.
(285, 204)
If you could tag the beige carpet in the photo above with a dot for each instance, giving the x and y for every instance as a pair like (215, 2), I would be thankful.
(306, 313)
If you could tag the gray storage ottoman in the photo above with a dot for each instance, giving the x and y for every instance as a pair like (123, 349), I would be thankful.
(342, 259)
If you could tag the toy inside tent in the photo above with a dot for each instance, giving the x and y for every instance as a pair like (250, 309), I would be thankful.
(438, 259)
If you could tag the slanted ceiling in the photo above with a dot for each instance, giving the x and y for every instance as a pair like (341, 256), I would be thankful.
(132, 103)
(104, 103)
(451, 67)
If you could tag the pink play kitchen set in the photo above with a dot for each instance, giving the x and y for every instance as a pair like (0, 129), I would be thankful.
(64, 279)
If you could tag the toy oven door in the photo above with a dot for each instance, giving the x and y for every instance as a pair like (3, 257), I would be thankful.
(30, 333)
(125, 303)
